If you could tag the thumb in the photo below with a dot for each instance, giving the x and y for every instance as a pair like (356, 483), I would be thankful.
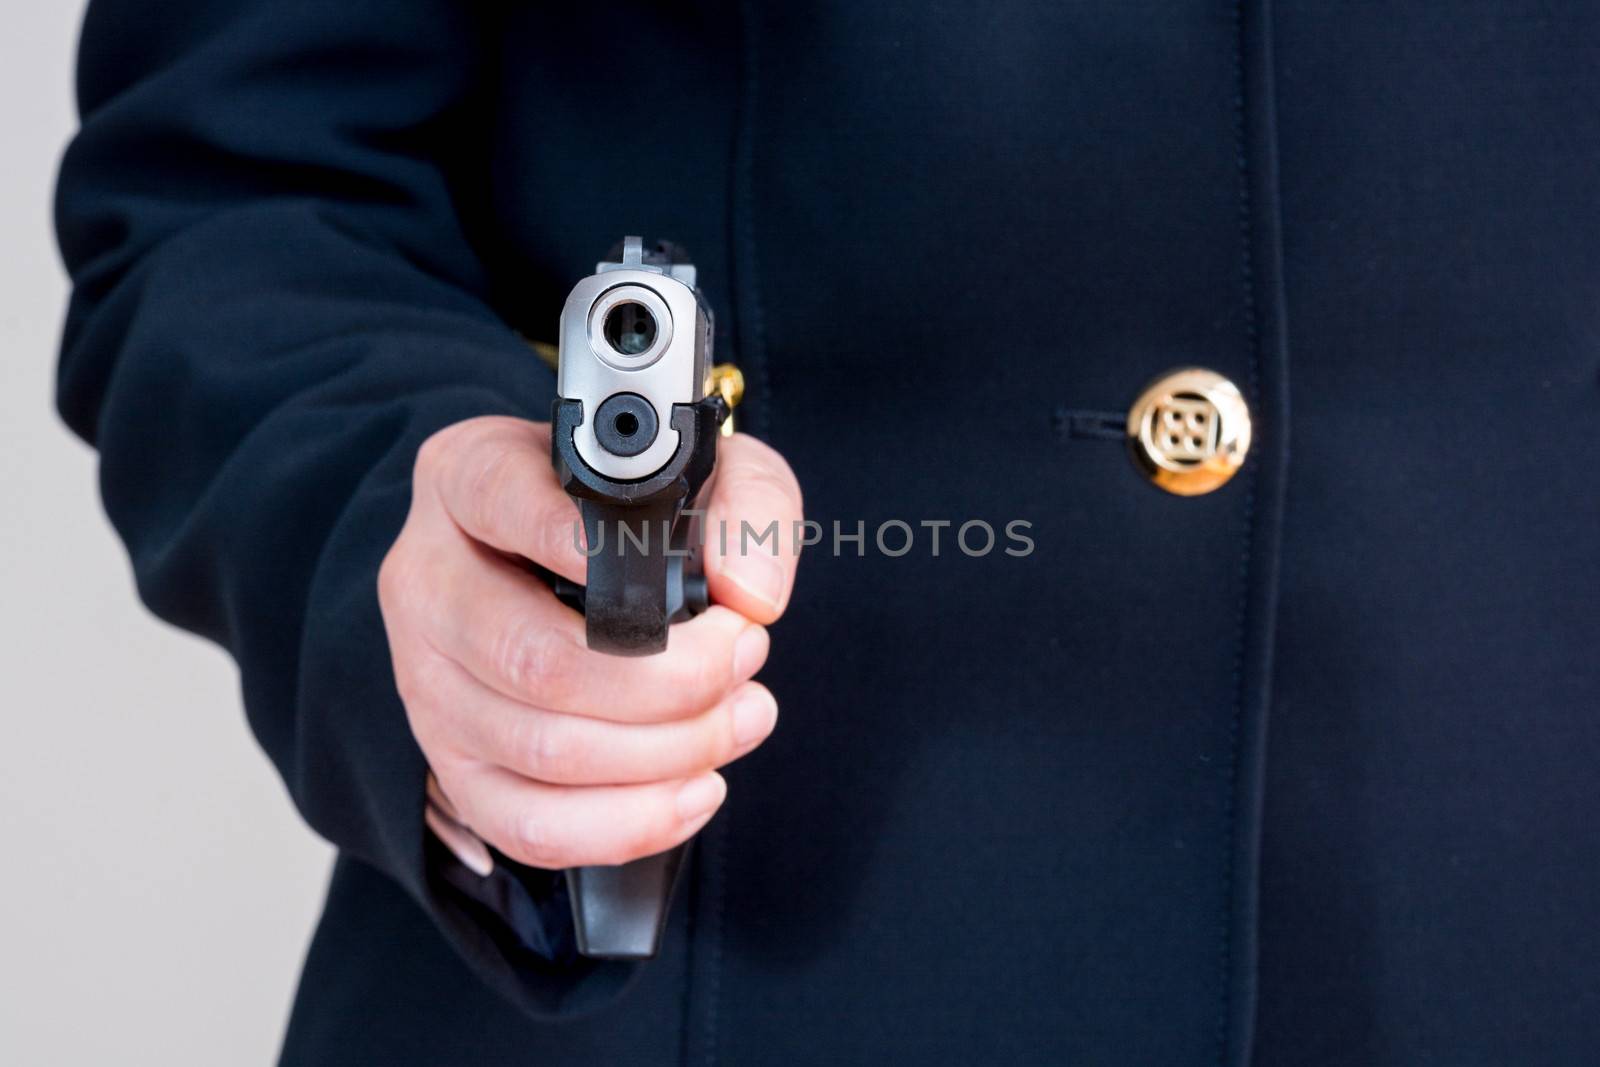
(751, 533)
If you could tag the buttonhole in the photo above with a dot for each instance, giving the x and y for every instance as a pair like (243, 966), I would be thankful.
(1079, 424)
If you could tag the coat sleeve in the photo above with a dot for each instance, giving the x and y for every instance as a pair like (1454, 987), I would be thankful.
(274, 304)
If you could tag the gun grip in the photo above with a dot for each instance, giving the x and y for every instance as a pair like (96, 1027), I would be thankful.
(620, 912)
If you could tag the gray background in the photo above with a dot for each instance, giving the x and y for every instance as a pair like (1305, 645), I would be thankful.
(157, 889)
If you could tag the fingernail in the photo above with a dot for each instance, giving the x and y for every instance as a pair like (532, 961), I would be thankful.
(472, 853)
(750, 651)
(754, 716)
(760, 575)
(701, 796)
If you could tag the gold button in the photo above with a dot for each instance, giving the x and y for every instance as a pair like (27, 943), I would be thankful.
(1189, 431)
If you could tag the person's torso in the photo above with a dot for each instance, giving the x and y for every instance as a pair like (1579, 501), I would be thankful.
(1054, 808)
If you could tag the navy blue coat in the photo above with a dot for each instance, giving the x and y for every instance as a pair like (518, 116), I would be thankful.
(1303, 771)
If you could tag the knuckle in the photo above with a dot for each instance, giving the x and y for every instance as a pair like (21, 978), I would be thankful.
(388, 579)
(535, 661)
(437, 454)
(485, 488)
(407, 585)
(395, 577)
(534, 842)
(430, 456)
(546, 748)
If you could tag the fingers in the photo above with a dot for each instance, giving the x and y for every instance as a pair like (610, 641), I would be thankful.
(557, 755)
(558, 826)
(751, 542)
(509, 631)
(563, 749)
(494, 479)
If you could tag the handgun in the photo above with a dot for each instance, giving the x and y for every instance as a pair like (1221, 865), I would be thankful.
(634, 441)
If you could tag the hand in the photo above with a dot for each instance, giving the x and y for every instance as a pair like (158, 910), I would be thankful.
(556, 755)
